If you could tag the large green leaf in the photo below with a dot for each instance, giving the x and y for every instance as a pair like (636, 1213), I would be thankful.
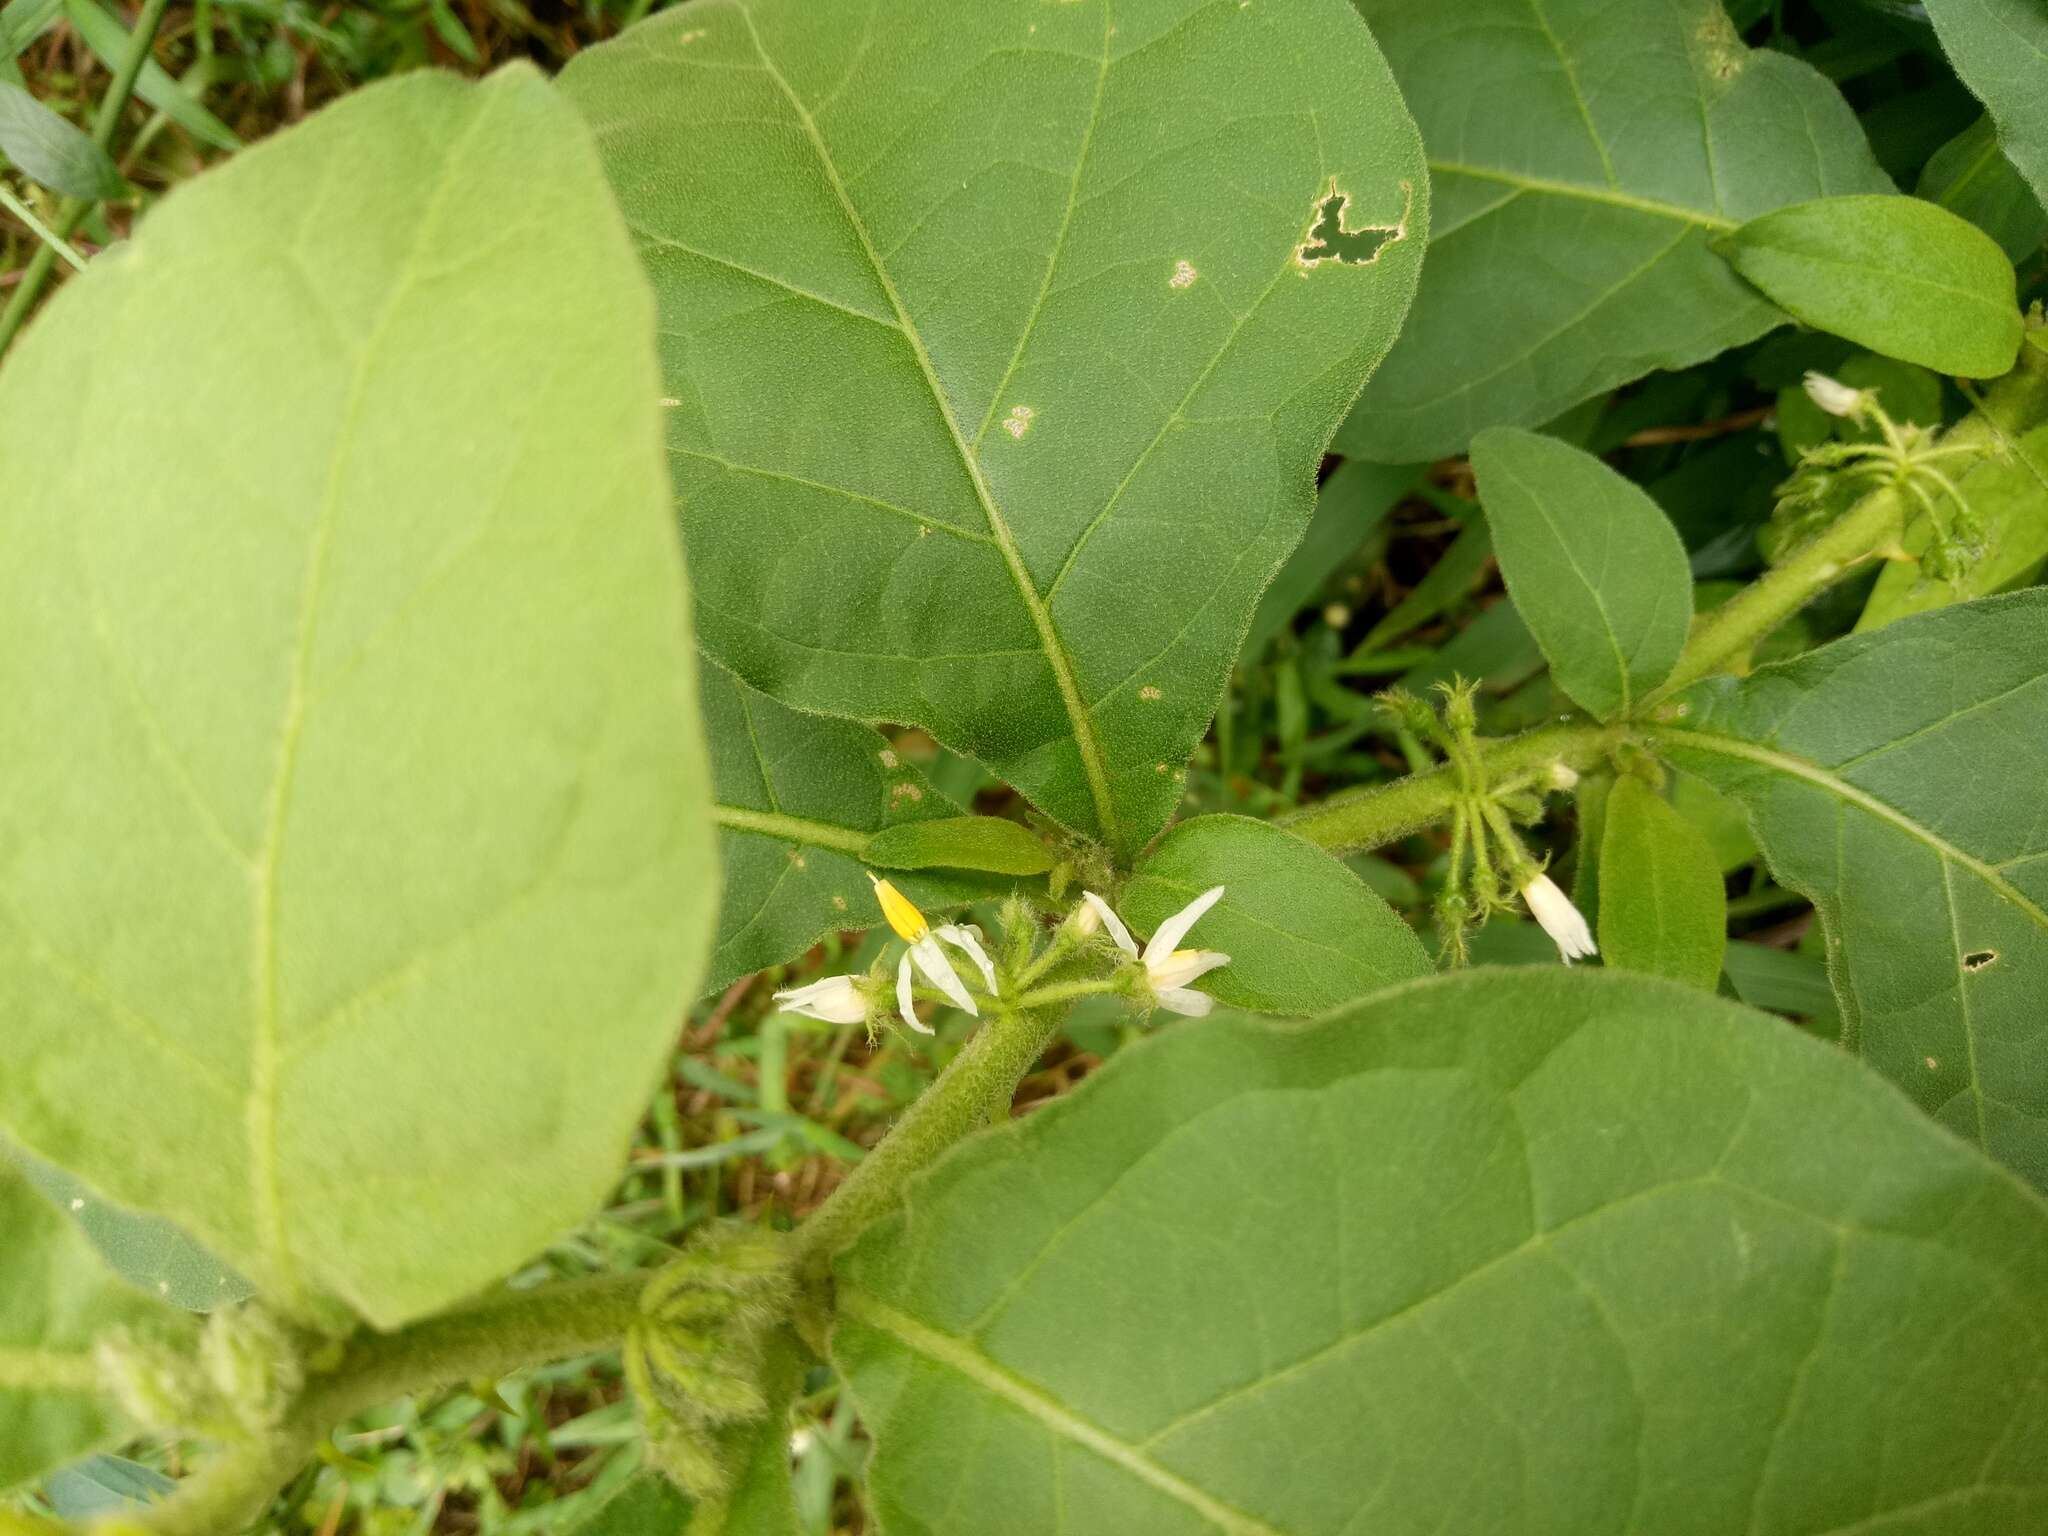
(1302, 931)
(355, 849)
(1582, 155)
(1544, 1252)
(56, 1297)
(1005, 341)
(798, 798)
(2000, 48)
(1894, 778)
(1900, 275)
(1593, 565)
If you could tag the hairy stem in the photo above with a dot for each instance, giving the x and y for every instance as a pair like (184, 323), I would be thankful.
(977, 1083)
(1727, 634)
(73, 209)
(1367, 818)
(491, 1338)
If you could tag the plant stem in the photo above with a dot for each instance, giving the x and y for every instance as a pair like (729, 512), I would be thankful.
(73, 209)
(1066, 992)
(980, 1078)
(1369, 817)
(1727, 633)
(39, 229)
(491, 1338)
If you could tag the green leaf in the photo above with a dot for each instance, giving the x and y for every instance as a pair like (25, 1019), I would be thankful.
(799, 797)
(1893, 779)
(2000, 48)
(1006, 350)
(1302, 931)
(1581, 159)
(963, 842)
(1662, 908)
(1898, 275)
(51, 151)
(107, 37)
(2008, 496)
(1547, 1252)
(647, 1504)
(56, 1297)
(358, 857)
(1592, 563)
(1970, 177)
(22, 21)
(148, 1252)
(103, 1485)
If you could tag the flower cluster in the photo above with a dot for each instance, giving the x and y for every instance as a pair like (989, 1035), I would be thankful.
(1157, 976)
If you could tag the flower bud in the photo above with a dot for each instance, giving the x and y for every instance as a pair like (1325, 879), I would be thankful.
(1835, 397)
(1565, 923)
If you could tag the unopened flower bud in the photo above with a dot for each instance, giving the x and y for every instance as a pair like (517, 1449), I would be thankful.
(1835, 397)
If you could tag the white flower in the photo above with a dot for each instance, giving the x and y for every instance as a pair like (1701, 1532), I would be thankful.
(836, 1000)
(1167, 968)
(923, 939)
(1835, 397)
(1565, 923)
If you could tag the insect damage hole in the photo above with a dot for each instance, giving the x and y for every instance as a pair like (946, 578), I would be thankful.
(1978, 959)
(1332, 237)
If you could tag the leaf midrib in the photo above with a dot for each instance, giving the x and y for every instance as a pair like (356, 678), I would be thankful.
(1812, 773)
(266, 1055)
(1566, 547)
(1061, 664)
(794, 829)
(1612, 197)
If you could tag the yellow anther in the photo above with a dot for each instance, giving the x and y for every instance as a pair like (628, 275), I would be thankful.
(908, 922)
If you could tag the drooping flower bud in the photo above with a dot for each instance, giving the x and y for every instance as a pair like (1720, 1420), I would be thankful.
(1565, 923)
(1835, 397)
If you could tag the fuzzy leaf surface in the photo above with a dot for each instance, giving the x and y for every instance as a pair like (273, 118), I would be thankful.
(1893, 778)
(1538, 1251)
(355, 850)
(1662, 907)
(1582, 156)
(2000, 48)
(1005, 348)
(1899, 275)
(1593, 564)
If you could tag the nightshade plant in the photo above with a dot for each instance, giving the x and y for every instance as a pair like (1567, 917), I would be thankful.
(378, 790)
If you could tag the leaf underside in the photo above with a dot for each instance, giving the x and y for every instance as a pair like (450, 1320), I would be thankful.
(355, 849)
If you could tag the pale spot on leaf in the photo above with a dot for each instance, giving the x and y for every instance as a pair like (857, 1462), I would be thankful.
(1018, 422)
(1148, 693)
(889, 757)
(1184, 275)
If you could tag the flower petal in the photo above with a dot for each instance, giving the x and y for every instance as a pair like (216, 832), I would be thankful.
(1565, 923)
(1183, 966)
(938, 970)
(905, 1003)
(963, 938)
(836, 1000)
(1188, 1004)
(1176, 927)
(1112, 922)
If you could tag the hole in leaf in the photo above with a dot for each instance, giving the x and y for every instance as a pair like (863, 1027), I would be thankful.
(1332, 237)
(1977, 959)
